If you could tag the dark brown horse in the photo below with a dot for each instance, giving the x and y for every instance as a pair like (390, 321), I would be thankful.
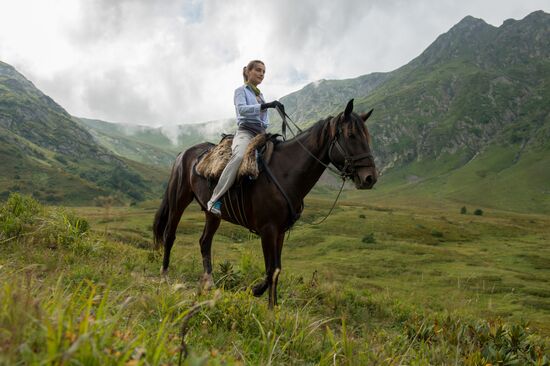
(296, 165)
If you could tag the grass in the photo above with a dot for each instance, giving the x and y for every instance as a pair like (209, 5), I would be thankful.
(429, 286)
(493, 179)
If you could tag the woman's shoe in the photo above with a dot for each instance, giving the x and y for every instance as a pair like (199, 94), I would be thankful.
(216, 208)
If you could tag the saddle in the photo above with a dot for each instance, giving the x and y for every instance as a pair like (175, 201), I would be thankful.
(211, 163)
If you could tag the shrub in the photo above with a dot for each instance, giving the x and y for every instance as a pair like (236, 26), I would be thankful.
(61, 159)
(18, 213)
(63, 229)
(22, 216)
(229, 278)
(369, 239)
(362, 216)
(437, 233)
(478, 212)
(463, 210)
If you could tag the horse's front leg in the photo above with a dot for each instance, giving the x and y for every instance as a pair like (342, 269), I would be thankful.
(270, 240)
(210, 227)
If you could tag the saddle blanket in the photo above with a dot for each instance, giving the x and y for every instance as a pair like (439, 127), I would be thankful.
(214, 160)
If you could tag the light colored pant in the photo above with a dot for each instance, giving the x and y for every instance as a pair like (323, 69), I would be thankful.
(238, 147)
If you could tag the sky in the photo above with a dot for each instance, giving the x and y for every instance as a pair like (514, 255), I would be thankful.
(179, 61)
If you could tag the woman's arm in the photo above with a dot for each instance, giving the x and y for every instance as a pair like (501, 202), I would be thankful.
(244, 109)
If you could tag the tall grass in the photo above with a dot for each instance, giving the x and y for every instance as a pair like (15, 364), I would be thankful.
(69, 296)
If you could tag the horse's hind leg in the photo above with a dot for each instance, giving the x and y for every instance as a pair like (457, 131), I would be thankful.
(277, 271)
(211, 225)
(170, 232)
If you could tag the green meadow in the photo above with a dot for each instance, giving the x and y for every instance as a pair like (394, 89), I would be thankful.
(381, 282)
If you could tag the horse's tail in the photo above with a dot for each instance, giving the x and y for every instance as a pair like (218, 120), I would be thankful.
(161, 220)
(169, 201)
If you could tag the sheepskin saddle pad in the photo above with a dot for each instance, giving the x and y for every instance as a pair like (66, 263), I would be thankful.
(211, 164)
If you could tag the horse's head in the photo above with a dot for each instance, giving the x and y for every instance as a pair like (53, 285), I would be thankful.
(350, 147)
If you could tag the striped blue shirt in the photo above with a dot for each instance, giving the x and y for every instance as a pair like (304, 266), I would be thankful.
(248, 107)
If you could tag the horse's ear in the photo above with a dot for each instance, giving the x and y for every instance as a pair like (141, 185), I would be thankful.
(365, 116)
(349, 109)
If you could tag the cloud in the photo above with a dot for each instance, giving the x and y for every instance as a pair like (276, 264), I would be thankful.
(179, 61)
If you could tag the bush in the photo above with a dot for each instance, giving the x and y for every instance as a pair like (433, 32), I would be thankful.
(60, 228)
(61, 159)
(22, 216)
(369, 239)
(478, 212)
(18, 213)
(463, 210)
(229, 278)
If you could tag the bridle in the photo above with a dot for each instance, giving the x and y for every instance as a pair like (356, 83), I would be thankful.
(351, 162)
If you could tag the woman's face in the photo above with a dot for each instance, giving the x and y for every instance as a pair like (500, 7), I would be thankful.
(256, 75)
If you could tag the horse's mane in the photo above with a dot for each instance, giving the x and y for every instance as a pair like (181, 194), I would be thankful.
(327, 128)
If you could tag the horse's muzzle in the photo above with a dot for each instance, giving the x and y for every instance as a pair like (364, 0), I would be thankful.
(365, 179)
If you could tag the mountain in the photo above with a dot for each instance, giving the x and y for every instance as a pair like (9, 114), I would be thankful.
(468, 119)
(506, 67)
(473, 86)
(44, 152)
(321, 98)
(139, 143)
(157, 146)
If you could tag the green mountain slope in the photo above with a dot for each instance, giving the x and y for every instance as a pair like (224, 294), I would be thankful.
(142, 144)
(157, 146)
(44, 152)
(321, 98)
(468, 119)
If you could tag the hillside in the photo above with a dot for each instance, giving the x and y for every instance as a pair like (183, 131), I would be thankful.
(157, 146)
(468, 119)
(323, 97)
(44, 152)
(142, 144)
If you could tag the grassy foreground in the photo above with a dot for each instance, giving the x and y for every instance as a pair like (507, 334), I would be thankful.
(372, 285)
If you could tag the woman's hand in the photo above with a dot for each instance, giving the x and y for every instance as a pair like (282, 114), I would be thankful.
(273, 104)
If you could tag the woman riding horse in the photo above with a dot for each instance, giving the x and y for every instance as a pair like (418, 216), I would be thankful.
(271, 201)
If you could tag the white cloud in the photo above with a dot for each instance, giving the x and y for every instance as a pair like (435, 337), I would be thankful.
(178, 61)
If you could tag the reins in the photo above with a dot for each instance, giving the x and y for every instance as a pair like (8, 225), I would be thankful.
(341, 174)
(284, 117)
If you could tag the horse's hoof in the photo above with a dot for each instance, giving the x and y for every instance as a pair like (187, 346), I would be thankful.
(259, 289)
(164, 276)
(207, 282)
